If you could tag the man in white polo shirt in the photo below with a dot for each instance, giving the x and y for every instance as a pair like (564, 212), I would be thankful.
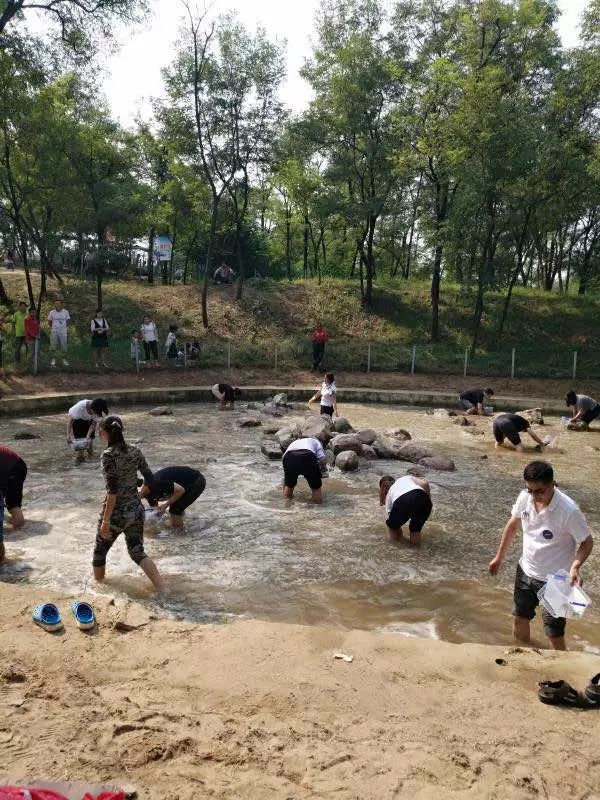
(555, 537)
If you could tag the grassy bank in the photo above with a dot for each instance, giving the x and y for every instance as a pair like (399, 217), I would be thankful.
(544, 328)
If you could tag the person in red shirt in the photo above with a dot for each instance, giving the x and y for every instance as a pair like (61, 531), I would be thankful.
(319, 338)
(32, 329)
(13, 472)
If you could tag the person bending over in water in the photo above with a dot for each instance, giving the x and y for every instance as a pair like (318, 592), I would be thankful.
(13, 471)
(82, 419)
(177, 488)
(304, 457)
(122, 510)
(555, 537)
(406, 500)
(471, 401)
(226, 394)
(584, 409)
(508, 427)
(327, 395)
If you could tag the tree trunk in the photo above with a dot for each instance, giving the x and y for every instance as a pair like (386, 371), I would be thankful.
(151, 255)
(288, 244)
(207, 268)
(435, 293)
(4, 298)
(239, 261)
(305, 252)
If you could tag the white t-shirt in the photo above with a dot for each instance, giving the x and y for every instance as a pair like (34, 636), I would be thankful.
(327, 392)
(148, 331)
(59, 320)
(550, 537)
(398, 488)
(79, 411)
(310, 443)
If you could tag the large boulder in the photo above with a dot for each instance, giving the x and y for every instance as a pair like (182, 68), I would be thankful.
(533, 415)
(279, 400)
(438, 462)
(384, 449)
(271, 449)
(418, 472)
(400, 434)
(318, 427)
(368, 452)
(345, 441)
(272, 427)
(161, 411)
(347, 461)
(287, 435)
(248, 422)
(341, 425)
(330, 458)
(414, 451)
(367, 435)
(272, 411)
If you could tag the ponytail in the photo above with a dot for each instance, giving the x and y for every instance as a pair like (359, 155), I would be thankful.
(114, 427)
(385, 484)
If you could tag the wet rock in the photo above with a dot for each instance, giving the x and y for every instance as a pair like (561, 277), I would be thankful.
(416, 471)
(438, 462)
(578, 426)
(161, 411)
(330, 458)
(26, 435)
(279, 400)
(384, 449)
(367, 435)
(272, 427)
(399, 433)
(443, 412)
(483, 458)
(414, 451)
(272, 411)
(462, 421)
(271, 449)
(368, 452)
(533, 415)
(248, 422)
(253, 406)
(347, 461)
(318, 427)
(341, 425)
(285, 436)
(345, 441)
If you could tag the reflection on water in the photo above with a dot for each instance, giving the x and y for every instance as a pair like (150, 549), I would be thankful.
(248, 551)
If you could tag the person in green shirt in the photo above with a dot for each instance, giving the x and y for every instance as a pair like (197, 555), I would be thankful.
(18, 321)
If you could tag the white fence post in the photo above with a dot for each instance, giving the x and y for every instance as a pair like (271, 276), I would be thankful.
(466, 362)
(574, 364)
(369, 357)
(414, 358)
(512, 364)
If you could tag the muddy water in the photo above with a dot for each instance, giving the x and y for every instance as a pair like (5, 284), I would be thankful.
(247, 551)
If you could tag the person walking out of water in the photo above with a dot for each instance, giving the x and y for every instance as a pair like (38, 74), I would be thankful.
(226, 395)
(58, 319)
(18, 321)
(122, 510)
(82, 419)
(508, 427)
(320, 337)
(584, 409)
(555, 537)
(174, 488)
(304, 457)
(407, 499)
(471, 401)
(99, 327)
(13, 471)
(327, 394)
(150, 341)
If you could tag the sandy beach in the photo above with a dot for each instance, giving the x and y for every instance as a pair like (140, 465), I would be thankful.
(261, 710)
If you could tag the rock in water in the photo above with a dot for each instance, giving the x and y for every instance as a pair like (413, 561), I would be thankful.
(280, 399)
(418, 472)
(438, 462)
(414, 451)
(345, 441)
(367, 435)
(368, 452)
(271, 449)
(399, 433)
(161, 411)
(578, 426)
(272, 427)
(347, 461)
(441, 412)
(26, 435)
(318, 427)
(383, 449)
(285, 436)
(272, 411)
(330, 458)
(533, 415)
(341, 425)
(248, 422)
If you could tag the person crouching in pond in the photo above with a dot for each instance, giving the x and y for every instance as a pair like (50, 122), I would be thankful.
(507, 427)
(226, 395)
(177, 488)
(304, 457)
(406, 500)
(327, 394)
(122, 510)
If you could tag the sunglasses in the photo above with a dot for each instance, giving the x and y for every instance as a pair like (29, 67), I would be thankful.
(537, 492)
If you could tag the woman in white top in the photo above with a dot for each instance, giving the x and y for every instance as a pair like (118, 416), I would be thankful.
(327, 394)
(150, 341)
(99, 328)
(405, 499)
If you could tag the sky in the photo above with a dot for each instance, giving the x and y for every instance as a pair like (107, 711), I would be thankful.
(133, 73)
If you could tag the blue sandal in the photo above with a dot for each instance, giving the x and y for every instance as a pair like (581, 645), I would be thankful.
(84, 614)
(47, 616)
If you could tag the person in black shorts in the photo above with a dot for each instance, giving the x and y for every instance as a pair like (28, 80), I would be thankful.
(226, 394)
(471, 401)
(507, 427)
(13, 471)
(304, 457)
(406, 500)
(177, 488)
(584, 409)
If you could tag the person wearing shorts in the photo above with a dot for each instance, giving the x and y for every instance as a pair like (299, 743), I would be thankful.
(555, 537)
(226, 395)
(58, 319)
(471, 401)
(407, 499)
(583, 408)
(13, 471)
(177, 488)
(327, 394)
(82, 419)
(304, 457)
(507, 427)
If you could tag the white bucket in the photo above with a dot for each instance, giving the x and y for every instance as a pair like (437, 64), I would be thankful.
(489, 410)
(80, 444)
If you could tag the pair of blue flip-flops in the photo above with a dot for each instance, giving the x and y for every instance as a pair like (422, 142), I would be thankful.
(47, 616)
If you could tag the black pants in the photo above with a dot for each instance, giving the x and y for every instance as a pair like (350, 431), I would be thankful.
(81, 428)
(151, 350)
(318, 353)
(192, 493)
(590, 416)
(415, 506)
(301, 462)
